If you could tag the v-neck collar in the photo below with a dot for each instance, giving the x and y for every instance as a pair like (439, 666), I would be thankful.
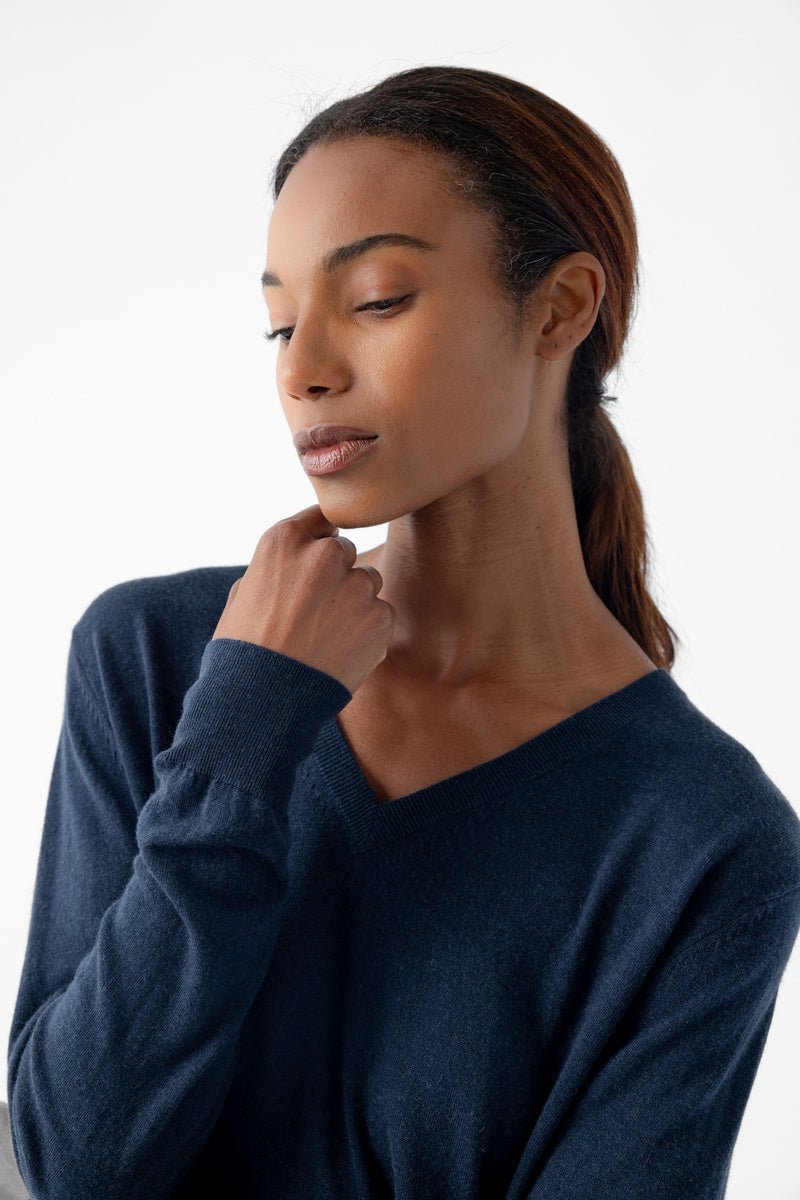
(370, 822)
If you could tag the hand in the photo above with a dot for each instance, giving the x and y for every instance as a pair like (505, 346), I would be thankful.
(301, 595)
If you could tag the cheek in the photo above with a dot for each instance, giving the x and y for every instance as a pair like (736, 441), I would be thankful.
(447, 390)
(465, 392)
(441, 360)
(454, 427)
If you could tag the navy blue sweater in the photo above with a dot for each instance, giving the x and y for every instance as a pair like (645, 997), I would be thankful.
(550, 976)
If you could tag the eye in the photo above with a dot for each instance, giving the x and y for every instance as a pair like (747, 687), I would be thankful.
(270, 335)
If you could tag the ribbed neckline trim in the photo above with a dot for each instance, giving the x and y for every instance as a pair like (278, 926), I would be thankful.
(370, 823)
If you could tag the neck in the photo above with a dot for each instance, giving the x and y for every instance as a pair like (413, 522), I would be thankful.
(489, 589)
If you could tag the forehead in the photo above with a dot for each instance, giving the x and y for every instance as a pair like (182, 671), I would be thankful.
(344, 191)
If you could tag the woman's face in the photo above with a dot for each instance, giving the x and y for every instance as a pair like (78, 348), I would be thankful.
(437, 377)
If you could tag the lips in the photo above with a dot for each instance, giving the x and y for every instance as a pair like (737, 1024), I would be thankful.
(319, 436)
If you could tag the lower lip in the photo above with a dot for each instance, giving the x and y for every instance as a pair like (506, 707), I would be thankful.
(334, 458)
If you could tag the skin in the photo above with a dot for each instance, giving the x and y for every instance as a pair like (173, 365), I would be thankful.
(499, 632)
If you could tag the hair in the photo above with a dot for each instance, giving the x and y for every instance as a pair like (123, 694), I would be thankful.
(550, 186)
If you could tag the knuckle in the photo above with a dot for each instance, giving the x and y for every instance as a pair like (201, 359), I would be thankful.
(330, 546)
(279, 533)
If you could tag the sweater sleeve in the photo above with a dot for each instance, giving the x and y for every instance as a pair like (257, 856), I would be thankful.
(659, 1114)
(149, 937)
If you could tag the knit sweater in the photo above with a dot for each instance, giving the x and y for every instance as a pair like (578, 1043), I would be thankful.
(548, 977)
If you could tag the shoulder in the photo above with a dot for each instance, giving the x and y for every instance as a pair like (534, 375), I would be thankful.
(715, 779)
(138, 646)
(159, 602)
(726, 829)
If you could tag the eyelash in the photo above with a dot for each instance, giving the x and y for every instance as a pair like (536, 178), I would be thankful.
(270, 335)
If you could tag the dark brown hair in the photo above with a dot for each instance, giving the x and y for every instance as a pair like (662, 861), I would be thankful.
(550, 186)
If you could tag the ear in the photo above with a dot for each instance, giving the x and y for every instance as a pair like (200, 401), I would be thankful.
(570, 299)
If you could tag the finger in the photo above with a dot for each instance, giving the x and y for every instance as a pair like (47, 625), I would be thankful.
(374, 574)
(232, 592)
(314, 521)
(350, 552)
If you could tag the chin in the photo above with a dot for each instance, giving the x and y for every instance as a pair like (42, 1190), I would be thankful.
(358, 511)
(350, 514)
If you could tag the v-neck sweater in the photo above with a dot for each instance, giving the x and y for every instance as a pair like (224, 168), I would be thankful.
(548, 977)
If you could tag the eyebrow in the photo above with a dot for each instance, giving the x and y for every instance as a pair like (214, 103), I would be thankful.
(344, 254)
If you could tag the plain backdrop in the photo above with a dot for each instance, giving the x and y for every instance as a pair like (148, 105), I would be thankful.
(142, 431)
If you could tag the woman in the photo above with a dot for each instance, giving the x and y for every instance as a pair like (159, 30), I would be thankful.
(424, 879)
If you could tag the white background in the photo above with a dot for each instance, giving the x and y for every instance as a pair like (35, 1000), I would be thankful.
(142, 432)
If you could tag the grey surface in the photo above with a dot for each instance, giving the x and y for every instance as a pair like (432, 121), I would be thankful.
(11, 1185)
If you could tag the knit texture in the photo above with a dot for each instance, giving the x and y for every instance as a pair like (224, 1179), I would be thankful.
(549, 977)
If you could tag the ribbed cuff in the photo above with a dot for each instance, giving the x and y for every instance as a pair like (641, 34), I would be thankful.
(249, 710)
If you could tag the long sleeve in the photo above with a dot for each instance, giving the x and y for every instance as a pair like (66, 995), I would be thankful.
(660, 1113)
(149, 937)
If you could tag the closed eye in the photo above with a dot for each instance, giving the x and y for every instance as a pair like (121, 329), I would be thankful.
(270, 335)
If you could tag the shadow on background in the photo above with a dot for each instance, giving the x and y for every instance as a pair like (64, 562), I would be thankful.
(11, 1185)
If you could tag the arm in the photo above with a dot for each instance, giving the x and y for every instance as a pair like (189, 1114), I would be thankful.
(149, 938)
(660, 1112)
